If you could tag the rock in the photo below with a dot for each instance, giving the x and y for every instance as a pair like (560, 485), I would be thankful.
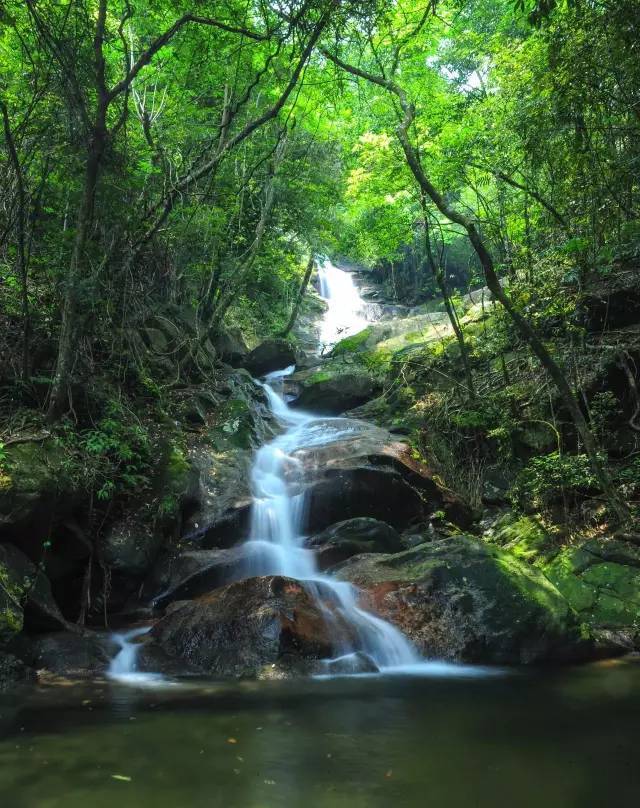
(363, 491)
(26, 599)
(601, 581)
(353, 536)
(242, 628)
(329, 394)
(613, 302)
(221, 457)
(74, 655)
(230, 345)
(270, 355)
(35, 491)
(193, 573)
(462, 600)
(495, 487)
(13, 671)
(131, 545)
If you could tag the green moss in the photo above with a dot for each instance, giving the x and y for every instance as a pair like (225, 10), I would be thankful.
(605, 594)
(525, 537)
(352, 343)
(320, 376)
(11, 616)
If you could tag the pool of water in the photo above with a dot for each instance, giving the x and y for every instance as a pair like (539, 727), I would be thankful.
(554, 739)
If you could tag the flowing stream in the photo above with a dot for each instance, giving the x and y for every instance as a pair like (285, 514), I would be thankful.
(277, 537)
(276, 544)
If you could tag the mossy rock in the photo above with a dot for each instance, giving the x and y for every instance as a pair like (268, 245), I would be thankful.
(36, 476)
(461, 599)
(524, 537)
(353, 343)
(601, 580)
(25, 596)
(330, 393)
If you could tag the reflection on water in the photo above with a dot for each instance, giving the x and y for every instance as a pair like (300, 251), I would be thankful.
(566, 739)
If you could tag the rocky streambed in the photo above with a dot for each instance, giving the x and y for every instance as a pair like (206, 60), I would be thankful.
(369, 514)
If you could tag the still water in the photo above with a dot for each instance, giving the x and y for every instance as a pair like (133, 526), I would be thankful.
(561, 739)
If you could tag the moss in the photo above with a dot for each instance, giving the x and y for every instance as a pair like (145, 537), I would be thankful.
(605, 594)
(352, 343)
(320, 376)
(525, 537)
(11, 616)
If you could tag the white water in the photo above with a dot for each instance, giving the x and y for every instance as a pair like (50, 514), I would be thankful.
(346, 311)
(123, 667)
(276, 542)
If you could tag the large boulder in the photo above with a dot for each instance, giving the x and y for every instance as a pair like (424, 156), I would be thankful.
(462, 600)
(270, 355)
(192, 573)
(25, 596)
(611, 302)
(339, 542)
(73, 655)
(250, 626)
(330, 394)
(230, 345)
(36, 491)
(363, 491)
(130, 546)
(601, 581)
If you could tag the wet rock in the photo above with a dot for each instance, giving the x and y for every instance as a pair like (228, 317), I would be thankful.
(194, 572)
(270, 355)
(339, 542)
(221, 458)
(73, 655)
(238, 630)
(26, 599)
(363, 491)
(461, 600)
(331, 394)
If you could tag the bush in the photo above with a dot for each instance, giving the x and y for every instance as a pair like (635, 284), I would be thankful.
(554, 478)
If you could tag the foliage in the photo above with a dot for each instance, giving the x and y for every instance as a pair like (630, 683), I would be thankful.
(550, 477)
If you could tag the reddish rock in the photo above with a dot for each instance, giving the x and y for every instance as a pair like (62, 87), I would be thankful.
(242, 628)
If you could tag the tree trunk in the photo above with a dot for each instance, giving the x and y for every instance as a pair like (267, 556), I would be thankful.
(438, 276)
(21, 240)
(300, 296)
(67, 341)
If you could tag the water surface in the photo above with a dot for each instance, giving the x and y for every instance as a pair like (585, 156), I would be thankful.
(561, 739)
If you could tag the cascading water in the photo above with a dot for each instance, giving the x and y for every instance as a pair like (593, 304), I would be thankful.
(276, 542)
(346, 311)
(123, 667)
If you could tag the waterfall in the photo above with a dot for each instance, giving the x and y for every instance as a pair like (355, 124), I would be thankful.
(346, 311)
(276, 540)
(123, 666)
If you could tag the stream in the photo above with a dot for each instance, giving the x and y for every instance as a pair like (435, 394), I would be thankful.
(404, 731)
